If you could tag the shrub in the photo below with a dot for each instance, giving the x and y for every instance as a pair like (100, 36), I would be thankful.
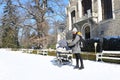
(89, 45)
(108, 44)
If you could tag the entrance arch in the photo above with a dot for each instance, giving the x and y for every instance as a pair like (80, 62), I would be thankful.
(86, 31)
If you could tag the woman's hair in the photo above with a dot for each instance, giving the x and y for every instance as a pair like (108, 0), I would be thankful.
(74, 35)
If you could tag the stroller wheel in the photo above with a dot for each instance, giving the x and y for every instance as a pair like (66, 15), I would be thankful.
(59, 61)
(69, 57)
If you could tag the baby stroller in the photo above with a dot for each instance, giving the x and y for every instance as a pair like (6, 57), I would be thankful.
(63, 53)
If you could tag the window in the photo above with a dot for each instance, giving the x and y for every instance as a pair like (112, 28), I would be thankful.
(106, 9)
(72, 16)
(86, 5)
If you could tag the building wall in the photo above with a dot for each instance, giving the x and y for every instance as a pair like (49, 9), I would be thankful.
(116, 4)
(117, 9)
(98, 26)
(111, 27)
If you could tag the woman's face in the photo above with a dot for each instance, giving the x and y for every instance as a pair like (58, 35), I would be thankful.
(74, 32)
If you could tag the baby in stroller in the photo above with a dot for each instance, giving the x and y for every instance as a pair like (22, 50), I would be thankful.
(63, 52)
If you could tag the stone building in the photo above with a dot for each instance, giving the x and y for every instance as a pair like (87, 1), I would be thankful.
(94, 18)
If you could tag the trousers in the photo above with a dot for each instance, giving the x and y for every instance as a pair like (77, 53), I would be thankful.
(79, 58)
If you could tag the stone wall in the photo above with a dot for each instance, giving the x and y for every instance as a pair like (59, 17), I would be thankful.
(117, 9)
(117, 14)
(110, 27)
(116, 4)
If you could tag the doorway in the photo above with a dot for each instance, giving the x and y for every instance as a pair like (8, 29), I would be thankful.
(87, 32)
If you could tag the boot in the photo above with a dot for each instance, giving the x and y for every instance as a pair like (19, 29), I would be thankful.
(81, 67)
(76, 67)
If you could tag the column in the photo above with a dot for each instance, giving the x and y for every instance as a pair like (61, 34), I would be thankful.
(113, 8)
(69, 20)
(94, 11)
(99, 11)
(58, 37)
(80, 8)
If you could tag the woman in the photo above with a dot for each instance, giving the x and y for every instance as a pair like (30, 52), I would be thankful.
(76, 50)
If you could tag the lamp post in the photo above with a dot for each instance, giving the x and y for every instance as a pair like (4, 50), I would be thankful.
(95, 45)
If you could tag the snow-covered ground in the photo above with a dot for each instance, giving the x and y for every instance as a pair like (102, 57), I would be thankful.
(15, 65)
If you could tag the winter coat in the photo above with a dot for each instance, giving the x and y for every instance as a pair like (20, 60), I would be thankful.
(75, 45)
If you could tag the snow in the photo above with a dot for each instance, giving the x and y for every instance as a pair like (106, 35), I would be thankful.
(15, 65)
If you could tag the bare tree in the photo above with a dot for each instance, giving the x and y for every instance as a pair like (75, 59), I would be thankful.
(58, 18)
(36, 16)
(36, 10)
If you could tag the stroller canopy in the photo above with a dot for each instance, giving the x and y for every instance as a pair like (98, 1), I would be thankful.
(62, 43)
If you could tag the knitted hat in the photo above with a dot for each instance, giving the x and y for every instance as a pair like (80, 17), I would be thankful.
(74, 29)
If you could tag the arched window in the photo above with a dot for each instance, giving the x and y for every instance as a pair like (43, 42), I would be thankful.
(73, 16)
(87, 32)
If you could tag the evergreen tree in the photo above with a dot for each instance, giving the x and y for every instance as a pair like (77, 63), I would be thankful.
(9, 24)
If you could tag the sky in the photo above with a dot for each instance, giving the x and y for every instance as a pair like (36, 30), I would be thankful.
(15, 65)
(57, 17)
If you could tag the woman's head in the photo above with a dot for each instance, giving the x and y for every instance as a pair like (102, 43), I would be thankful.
(74, 30)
